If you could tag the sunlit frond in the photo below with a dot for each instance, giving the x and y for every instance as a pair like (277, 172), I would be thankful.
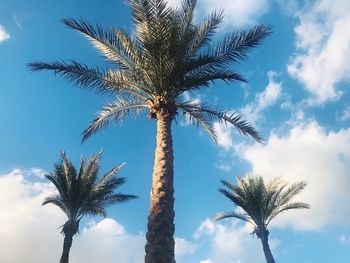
(238, 215)
(210, 115)
(115, 111)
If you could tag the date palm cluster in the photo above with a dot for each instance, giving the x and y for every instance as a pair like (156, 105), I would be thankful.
(151, 70)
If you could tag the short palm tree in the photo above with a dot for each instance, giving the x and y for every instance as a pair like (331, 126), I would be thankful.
(167, 56)
(261, 203)
(82, 193)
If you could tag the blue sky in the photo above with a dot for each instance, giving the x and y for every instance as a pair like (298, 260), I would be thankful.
(297, 97)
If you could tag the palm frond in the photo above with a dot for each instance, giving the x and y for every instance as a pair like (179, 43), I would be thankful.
(115, 111)
(210, 115)
(235, 47)
(120, 198)
(233, 214)
(286, 207)
(205, 31)
(81, 75)
(291, 191)
(104, 40)
(56, 200)
(109, 175)
(205, 77)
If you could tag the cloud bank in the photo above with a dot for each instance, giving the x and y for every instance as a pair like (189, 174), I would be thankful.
(231, 242)
(321, 158)
(323, 49)
(32, 229)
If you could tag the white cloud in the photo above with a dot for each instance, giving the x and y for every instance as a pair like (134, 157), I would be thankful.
(37, 172)
(252, 111)
(184, 248)
(323, 49)
(231, 242)
(345, 114)
(25, 225)
(297, 112)
(319, 157)
(223, 133)
(107, 241)
(238, 13)
(4, 35)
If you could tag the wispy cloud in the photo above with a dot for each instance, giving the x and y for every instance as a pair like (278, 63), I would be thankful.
(18, 21)
(273, 91)
(345, 115)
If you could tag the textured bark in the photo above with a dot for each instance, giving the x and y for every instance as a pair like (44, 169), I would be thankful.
(68, 239)
(264, 237)
(160, 242)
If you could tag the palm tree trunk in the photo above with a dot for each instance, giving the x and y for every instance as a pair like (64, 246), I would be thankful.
(67, 243)
(265, 243)
(160, 241)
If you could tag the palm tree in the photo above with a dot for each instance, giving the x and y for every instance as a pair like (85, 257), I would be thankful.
(261, 203)
(81, 193)
(167, 56)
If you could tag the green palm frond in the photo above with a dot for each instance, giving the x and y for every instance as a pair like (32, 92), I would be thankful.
(56, 200)
(81, 75)
(103, 40)
(262, 202)
(109, 175)
(286, 207)
(238, 215)
(93, 78)
(208, 115)
(198, 118)
(291, 191)
(236, 199)
(119, 198)
(205, 77)
(205, 31)
(236, 46)
(115, 111)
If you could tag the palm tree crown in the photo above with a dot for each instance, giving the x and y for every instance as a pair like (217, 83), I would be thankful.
(80, 192)
(167, 56)
(260, 202)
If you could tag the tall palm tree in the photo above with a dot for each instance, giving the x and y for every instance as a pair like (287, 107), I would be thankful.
(82, 193)
(167, 56)
(261, 203)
